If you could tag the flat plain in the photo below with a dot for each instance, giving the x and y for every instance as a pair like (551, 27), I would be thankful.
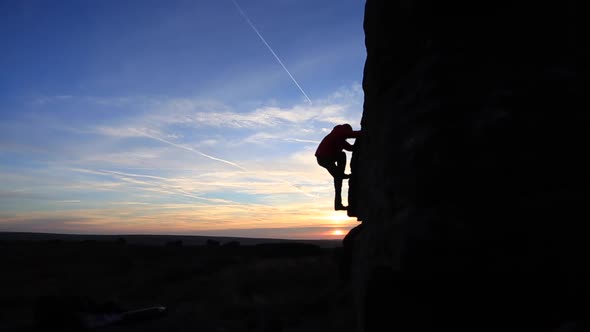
(204, 283)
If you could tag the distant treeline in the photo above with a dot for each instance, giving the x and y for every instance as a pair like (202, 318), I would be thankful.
(210, 247)
(158, 240)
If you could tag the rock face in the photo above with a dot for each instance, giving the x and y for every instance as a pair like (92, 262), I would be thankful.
(470, 178)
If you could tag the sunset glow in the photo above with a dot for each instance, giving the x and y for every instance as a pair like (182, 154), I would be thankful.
(338, 232)
(129, 118)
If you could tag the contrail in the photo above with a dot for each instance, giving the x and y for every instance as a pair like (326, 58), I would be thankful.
(193, 150)
(216, 159)
(270, 49)
(164, 188)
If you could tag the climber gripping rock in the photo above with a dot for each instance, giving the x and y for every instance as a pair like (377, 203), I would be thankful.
(331, 156)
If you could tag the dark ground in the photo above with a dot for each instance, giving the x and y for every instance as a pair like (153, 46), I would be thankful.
(220, 286)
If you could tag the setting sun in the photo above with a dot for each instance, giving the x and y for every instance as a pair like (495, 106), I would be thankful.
(338, 232)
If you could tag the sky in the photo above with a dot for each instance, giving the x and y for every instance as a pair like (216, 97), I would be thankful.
(195, 117)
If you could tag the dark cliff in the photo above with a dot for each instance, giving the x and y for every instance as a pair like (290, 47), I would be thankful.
(469, 180)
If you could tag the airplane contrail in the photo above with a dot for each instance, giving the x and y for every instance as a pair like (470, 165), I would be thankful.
(164, 188)
(271, 50)
(194, 151)
(217, 159)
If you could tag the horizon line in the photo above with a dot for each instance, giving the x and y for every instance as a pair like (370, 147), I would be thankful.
(170, 234)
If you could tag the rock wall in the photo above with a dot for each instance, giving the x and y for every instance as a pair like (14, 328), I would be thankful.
(470, 178)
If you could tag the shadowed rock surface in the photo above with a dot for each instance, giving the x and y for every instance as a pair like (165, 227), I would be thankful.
(470, 176)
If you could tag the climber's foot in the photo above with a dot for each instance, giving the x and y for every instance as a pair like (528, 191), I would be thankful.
(340, 207)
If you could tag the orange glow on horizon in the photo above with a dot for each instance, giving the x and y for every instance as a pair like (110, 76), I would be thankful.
(337, 232)
(296, 221)
(339, 217)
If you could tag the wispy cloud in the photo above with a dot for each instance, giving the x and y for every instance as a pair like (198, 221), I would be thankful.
(182, 165)
(268, 116)
(183, 219)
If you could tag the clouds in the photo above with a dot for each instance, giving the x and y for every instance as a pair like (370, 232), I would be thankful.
(174, 117)
(341, 106)
(183, 218)
(179, 165)
(195, 124)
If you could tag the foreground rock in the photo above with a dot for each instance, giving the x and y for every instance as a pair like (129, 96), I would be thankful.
(470, 178)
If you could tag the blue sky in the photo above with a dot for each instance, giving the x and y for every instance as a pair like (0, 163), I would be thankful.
(174, 117)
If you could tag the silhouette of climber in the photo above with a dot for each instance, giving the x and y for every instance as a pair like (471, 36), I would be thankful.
(331, 156)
